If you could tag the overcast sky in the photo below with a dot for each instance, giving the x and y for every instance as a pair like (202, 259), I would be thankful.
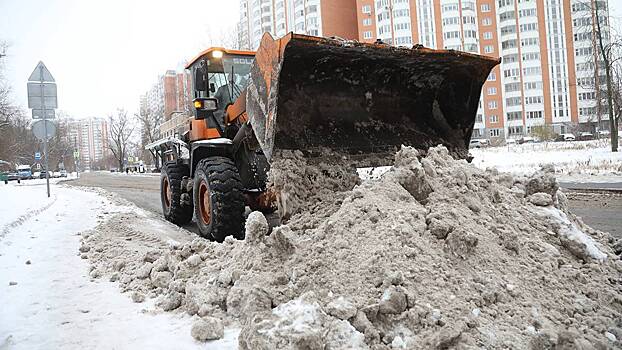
(105, 54)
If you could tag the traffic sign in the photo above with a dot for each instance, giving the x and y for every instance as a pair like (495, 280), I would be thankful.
(41, 73)
(38, 166)
(49, 95)
(76, 154)
(38, 114)
(37, 155)
(39, 129)
(42, 99)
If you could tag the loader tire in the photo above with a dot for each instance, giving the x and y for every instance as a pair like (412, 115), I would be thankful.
(218, 199)
(171, 191)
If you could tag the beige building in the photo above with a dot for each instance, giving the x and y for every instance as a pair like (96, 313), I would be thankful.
(313, 17)
(90, 138)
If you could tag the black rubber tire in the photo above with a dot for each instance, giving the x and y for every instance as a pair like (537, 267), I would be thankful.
(173, 173)
(225, 198)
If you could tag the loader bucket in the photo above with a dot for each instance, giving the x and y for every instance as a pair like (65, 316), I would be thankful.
(312, 94)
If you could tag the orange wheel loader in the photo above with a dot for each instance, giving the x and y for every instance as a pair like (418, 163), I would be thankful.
(310, 94)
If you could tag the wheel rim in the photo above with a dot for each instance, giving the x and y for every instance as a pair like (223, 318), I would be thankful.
(204, 203)
(167, 192)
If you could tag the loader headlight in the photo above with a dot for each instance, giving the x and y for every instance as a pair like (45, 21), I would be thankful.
(217, 54)
(206, 104)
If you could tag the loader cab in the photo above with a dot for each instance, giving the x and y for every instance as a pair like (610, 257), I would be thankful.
(220, 74)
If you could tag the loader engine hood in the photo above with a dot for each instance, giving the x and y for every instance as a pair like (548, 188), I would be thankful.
(312, 94)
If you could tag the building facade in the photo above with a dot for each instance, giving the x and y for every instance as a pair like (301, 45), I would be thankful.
(168, 104)
(278, 17)
(90, 138)
(548, 75)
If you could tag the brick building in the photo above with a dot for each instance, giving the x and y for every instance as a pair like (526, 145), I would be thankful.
(549, 74)
(168, 103)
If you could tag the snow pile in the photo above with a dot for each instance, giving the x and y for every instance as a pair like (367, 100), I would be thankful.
(572, 160)
(435, 254)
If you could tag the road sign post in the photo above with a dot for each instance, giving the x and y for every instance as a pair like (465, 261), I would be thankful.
(76, 157)
(42, 98)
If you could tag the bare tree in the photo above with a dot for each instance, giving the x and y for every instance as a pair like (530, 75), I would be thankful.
(605, 52)
(7, 109)
(224, 37)
(120, 130)
(150, 126)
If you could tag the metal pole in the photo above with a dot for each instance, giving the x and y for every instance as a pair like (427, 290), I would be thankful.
(75, 159)
(45, 138)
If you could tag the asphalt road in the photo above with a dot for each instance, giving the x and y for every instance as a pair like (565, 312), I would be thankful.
(602, 211)
(140, 189)
(591, 185)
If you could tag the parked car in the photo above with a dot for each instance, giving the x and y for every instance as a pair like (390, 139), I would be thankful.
(604, 133)
(584, 136)
(63, 173)
(477, 143)
(13, 176)
(568, 137)
(42, 174)
(6, 176)
(510, 142)
(24, 171)
(526, 139)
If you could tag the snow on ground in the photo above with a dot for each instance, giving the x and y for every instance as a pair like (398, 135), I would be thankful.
(580, 161)
(49, 301)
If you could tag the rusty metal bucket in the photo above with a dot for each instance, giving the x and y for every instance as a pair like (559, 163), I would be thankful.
(309, 93)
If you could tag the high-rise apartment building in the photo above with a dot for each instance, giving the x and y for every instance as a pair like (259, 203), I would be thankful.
(168, 103)
(90, 138)
(548, 74)
(177, 94)
(170, 94)
(313, 17)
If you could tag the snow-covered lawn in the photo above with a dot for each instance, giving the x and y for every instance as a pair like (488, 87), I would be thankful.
(48, 298)
(590, 161)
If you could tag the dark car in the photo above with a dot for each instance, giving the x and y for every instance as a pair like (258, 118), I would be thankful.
(13, 176)
(42, 174)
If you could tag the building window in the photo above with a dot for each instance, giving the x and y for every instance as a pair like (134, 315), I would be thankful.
(494, 132)
(533, 100)
(492, 76)
(366, 9)
(492, 90)
(487, 35)
(512, 101)
(492, 105)
(485, 7)
(493, 119)
(489, 49)
(534, 115)
(515, 130)
(514, 116)
(486, 21)
(512, 87)
(367, 22)
(367, 35)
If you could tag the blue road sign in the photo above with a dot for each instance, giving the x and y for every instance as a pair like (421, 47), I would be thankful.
(37, 155)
